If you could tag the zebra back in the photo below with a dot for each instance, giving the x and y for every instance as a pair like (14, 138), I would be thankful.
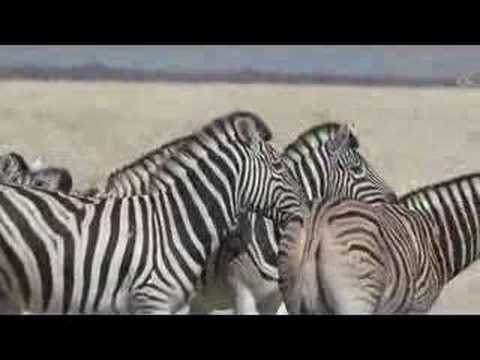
(355, 257)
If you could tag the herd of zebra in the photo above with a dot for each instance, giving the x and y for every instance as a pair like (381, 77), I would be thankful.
(314, 228)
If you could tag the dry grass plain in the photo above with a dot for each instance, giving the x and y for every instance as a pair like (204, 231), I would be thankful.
(412, 136)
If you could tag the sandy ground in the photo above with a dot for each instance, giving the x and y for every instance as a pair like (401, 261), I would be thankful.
(412, 136)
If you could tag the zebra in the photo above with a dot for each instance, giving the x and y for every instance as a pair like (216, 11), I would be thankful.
(359, 258)
(135, 178)
(326, 162)
(14, 169)
(143, 253)
(454, 206)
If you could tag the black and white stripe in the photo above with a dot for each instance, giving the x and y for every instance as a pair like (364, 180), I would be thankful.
(359, 258)
(454, 206)
(142, 254)
(326, 162)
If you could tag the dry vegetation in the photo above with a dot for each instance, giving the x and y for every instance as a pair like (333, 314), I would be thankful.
(412, 136)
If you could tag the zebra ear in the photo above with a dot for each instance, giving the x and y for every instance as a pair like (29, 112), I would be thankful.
(251, 129)
(248, 134)
(353, 140)
(340, 141)
(21, 164)
(343, 136)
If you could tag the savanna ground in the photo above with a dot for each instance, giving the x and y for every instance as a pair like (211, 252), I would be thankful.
(412, 136)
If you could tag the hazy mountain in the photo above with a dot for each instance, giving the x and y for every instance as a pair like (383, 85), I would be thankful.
(412, 61)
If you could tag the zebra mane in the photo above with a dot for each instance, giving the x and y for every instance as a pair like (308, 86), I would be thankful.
(182, 143)
(19, 159)
(222, 123)
(159, 151)
(230, 119)
(435, 186)
(320, 133)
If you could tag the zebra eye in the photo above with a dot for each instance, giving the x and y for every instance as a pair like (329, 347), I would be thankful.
(39, 183)
(356, 169)
(278, 166)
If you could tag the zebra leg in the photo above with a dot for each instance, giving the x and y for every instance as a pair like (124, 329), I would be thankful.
(245, 303)
(269, 302)
(282, 310)
(197, 305)
(244, 299)
(184, 310)
(153, 310)
(7, 305)
(152, 307)
(144, 302)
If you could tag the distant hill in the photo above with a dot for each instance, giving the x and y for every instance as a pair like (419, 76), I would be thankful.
(472, 80)
(98, 71)
(379, 60)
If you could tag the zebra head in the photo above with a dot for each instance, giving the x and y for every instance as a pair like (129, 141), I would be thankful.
(349, 173)
(13, 168)
(51, 178)
(265, 184)
(325, 161)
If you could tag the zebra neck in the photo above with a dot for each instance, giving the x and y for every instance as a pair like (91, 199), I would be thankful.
(454, 206)
(202, 193)
(308, 173)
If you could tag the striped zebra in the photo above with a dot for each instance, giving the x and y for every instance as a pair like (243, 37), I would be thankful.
(454, 206)
(145, 253)
(15, 170)
(254, 271)
(359, 258)
(136, 178)
(326, 162)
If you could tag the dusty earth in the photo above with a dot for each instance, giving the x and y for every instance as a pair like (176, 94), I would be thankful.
(412, 136)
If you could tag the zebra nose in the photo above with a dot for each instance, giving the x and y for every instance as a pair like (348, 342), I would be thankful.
(392, 198)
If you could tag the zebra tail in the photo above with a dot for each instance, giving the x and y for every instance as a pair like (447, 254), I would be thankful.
(293, 239)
